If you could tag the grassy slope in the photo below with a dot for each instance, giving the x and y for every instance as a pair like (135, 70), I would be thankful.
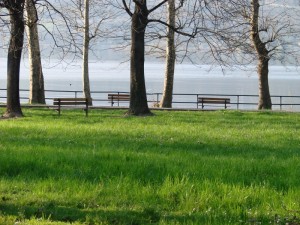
(224, 167)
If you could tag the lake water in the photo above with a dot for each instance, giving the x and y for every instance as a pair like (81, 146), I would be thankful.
(114, 76)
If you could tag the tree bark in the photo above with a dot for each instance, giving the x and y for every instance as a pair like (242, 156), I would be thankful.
(264, 93)
(166, 101)
(36, 89)
(138, 99)
(263, 62)
(86, 43)
(13, 106)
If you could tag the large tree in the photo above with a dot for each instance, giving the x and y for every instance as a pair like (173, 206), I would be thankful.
(36, 86)
(15, 10)
(140, 20)
(259, 32)
(138, 97)
(263, 58)
(166, 100)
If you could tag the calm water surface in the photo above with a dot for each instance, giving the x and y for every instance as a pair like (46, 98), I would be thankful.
(113, 76)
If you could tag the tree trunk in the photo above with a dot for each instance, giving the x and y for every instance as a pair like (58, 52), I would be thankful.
(263, 59)
(36, 89)
(167, 97)
(13, 106)
(264, 101)
(138, 99)
(86, 43)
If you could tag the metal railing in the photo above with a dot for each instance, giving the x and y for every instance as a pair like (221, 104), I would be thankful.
(180, 100)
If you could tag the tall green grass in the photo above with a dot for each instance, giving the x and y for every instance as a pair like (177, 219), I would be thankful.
(223, 167)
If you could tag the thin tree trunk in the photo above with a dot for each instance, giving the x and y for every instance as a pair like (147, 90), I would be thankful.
(167, 97)
(36, 89)
(263, 64)
(138, 98)
(86, 43)
(13, 106)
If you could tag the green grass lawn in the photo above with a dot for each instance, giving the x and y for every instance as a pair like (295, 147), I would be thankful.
(223, 167)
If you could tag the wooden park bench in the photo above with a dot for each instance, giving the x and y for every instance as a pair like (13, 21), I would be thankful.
(71, 102)
(210, 101)
(117, 98)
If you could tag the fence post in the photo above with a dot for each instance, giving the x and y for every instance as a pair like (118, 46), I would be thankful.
(197, 100)
(118, 99)
(238, 102)
(280, 102)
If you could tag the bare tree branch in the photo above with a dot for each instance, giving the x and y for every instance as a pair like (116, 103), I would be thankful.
(157, 6)
(177, 30)
(127, 8)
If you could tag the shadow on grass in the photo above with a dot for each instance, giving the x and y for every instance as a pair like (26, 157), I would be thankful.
(92, 216)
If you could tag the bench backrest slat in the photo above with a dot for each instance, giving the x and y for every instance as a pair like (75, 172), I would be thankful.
(213, 99)
(69, 99)
(118, 96)
(68, 103)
